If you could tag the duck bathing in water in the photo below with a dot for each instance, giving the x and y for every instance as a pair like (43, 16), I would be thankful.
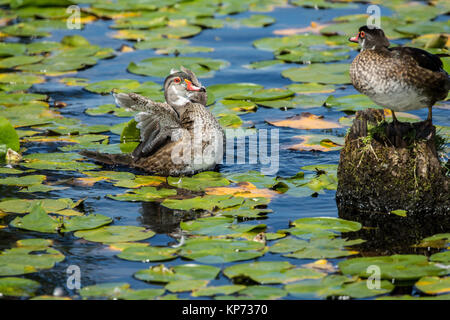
(399, 78)
(178, 137)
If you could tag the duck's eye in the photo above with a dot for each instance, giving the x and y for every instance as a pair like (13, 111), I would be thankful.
(177, 80)
(362, 34)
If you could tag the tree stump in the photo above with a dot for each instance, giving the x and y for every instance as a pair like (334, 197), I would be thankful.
(386, 166)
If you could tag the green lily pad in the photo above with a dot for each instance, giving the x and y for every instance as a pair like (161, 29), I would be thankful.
(257, 21)
(350, 103)
(321, 248)
(214, 226)
(25, 206)
(28, 259)
(15, 61)
(220, 91)
(263, 64)
(8, 136)
(199, 181)
(18, 287)
(163, 274)
(115, 234)
(400, 267)
(105, 290)
(11, 49)
(271, 272)
(434, 285)
(216, 251)
(147, 254)
(208, 202)
(262, 293)
(186, 285)
(262, 95)
(142, 294)
(160, 67)
(217, 290)
(316, 287)
(320, 73)
(144, 194)
(39, 220)
(443, 257)
(104, 87)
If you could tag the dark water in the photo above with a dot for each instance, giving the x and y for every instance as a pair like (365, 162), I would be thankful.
(97, 263)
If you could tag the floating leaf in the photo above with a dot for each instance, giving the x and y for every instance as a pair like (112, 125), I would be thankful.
(144, 194)
(199, 181)
(147, 254)
(116, 234)
(220, 250)
(160, 67)
(17, 287)
(208, 202)
(320, 73)
(186, 285)
(318, 142)
(434, 285)
(217, 290)
(177, 273)
(401, 267)
(271, 272)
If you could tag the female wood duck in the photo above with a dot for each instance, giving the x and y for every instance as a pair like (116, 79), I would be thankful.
(400, 78)
(178, 137)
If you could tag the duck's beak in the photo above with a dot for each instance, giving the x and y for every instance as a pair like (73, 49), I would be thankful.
(354, 39)
(192, 87)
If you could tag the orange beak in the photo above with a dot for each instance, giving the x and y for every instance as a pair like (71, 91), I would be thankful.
(354, 39)
(190, 86)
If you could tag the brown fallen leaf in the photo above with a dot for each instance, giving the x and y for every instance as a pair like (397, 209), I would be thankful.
(315, 143)
(243, 189)
(306, 121)
(125, 48)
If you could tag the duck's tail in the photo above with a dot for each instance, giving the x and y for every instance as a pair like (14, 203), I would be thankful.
(111, 159)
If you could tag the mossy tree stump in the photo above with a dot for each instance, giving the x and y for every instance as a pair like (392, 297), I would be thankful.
(386, 166)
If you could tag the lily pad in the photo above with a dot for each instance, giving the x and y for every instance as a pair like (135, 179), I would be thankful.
(434, 285)
(186, 285)
(271, 272)
(320, 73)
(115, 234)
(17, 287)
(160, 67)
(217, 290)
(147, 253)
(144, 194)
(162, 274)
(400, 267)
(214, 251)
(199, 181)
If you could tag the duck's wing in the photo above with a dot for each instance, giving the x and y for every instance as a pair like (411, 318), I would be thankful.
(158, 122)
(423, 58)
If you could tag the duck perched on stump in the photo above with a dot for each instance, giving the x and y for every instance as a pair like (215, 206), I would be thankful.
(399, 78)
(178, 137)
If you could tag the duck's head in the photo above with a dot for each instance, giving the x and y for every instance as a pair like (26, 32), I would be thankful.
(370, 38)
(182, 87)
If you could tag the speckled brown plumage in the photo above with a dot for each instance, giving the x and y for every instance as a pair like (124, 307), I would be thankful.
(178, 137)
(400, 78)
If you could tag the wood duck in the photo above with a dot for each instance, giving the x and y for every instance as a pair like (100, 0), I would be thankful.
(178, 137)
(400, 78)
